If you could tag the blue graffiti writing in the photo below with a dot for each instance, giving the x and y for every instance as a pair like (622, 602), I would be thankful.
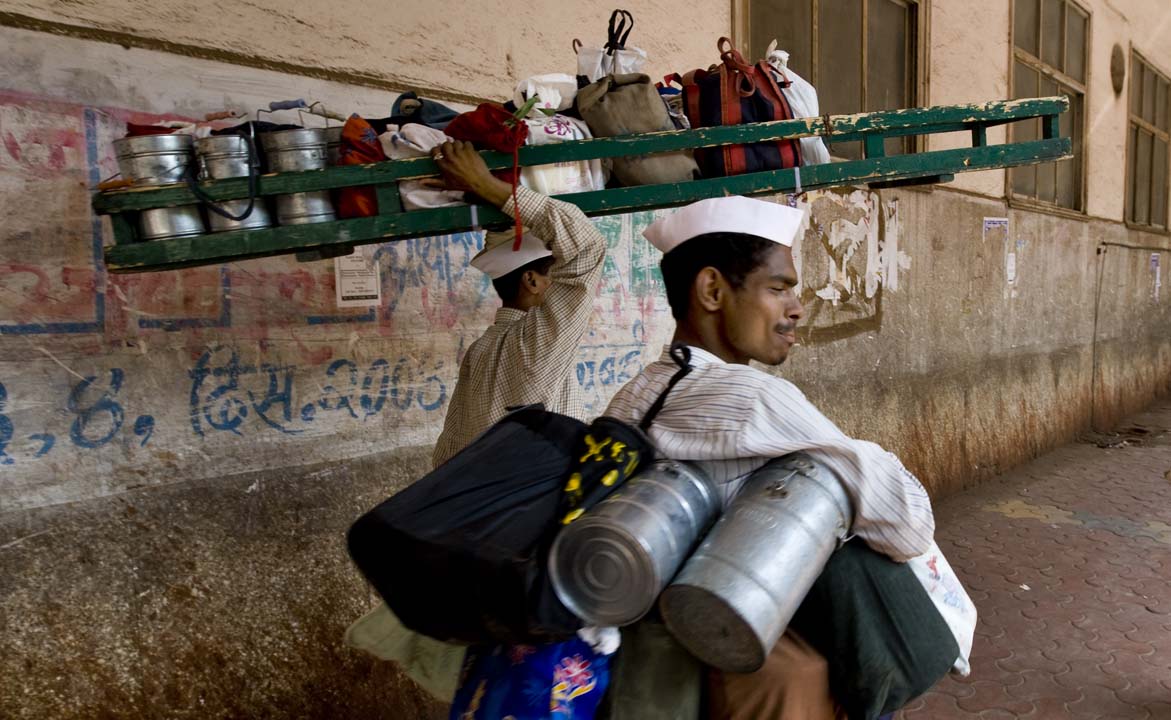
(102, 414)
(5, 427)
(335, 398)
(47, 442)
(615, 369)
(219, 408)
(97, 414)
(226, 392)
(435, 262)
(278, 394)
(144, 427)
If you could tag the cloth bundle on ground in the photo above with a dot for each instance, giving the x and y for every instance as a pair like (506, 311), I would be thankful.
(734, 94)
(625, 105)
(461, 554)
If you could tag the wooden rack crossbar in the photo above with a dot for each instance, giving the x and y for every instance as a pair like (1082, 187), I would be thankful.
(876, 169)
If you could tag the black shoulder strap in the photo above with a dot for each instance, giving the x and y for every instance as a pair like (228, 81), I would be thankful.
(681, 354)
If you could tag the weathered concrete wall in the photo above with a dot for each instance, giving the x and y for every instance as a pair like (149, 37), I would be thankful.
(182, 452)
(452, 48)
(971, 60)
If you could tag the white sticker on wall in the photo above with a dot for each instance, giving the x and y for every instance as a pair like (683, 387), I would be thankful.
(995, 229)
(357, 278)
(1010, 268)
(1157, 271)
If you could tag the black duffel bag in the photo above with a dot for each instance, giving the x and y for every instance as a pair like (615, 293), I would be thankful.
(461, 555)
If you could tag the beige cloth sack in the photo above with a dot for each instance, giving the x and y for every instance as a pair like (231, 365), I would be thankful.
(433, 664)
(625, 105)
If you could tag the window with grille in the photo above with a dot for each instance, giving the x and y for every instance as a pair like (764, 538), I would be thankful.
(1147, 145)
(861, 55)
(1050, 57)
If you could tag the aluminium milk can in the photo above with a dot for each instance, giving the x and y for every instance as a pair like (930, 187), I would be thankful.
(609, 566)
(736, 595)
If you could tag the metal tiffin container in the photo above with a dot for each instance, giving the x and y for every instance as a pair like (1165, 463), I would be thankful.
(150, 160)
(225, 156)
(609, 566)
(231, 156)
(736, 595)
(170, 223)
(294, 151)
(333, 144)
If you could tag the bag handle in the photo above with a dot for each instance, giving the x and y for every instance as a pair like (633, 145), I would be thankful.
(681, 354)
(738, 66)
(618, 31)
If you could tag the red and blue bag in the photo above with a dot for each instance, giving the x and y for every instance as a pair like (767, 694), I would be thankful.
(556, 681)
(736, 93)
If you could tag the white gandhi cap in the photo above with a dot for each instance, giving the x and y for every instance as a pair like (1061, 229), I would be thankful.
(734, 214)
(497, 259)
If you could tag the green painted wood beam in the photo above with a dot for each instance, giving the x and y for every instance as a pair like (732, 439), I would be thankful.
(225, 247)
(840, 128)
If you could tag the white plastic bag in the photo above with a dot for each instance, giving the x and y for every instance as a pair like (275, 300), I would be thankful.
(802, 99)
(556, 91)
(614, 58)
(950, 599)
(411, 141)
(596, 63)
(564, 177)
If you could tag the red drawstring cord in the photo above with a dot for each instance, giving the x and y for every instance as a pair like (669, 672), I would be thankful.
(515, 202)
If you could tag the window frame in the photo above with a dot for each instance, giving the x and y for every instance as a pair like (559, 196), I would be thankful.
(918, 61)
(1037, 64)
(1131, 121)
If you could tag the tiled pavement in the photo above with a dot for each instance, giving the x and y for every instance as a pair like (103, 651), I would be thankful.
(1068, 560)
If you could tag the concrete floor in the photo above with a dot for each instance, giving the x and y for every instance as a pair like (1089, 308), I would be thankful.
(1068, 560)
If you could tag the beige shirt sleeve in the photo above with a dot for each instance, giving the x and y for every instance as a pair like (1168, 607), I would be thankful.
(546, 341)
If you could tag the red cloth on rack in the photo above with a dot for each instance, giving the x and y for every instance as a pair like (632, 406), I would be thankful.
(360, 146)
(136, 130)
(490, 126)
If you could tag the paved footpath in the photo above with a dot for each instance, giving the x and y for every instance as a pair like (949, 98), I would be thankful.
(1068, 560)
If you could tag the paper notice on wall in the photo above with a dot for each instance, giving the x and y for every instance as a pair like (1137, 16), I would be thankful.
(1156, 270)
(357, 279)
(995, 229)
(1010, 268)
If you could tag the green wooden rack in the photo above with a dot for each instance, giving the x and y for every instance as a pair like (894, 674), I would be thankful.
(877, 170)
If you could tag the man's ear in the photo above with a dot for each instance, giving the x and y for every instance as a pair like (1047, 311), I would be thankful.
(529, 281)
(710, 288)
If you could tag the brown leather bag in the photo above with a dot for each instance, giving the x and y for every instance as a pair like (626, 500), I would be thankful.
(629, 104)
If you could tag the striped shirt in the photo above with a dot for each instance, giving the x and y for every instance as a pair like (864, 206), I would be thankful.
(731, 419)
(527, 357)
